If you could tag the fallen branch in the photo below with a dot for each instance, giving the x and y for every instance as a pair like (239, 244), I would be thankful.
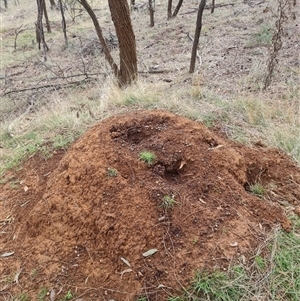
(55, 86)
(154, 71)
(207, 7)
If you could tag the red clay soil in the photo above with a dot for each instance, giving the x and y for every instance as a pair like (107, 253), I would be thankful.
(74, 225)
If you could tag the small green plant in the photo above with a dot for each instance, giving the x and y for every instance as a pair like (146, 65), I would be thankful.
(264, 36)
(194, 240)
(68, 296)
(112, 172)
(14, 184)
(257, 189)
(42, 294)
(147, 157)
(168, 202)
(260, 262)
(34, 274)
(23, 297)
(142, 299)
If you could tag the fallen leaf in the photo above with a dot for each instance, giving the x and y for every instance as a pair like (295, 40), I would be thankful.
(161, 286)
(52, 294)
(234, 244)
(150, 252)
(125, 271)
(202, 201)
(182, 164)
(26, 188)
(7, 254)
(125, 261)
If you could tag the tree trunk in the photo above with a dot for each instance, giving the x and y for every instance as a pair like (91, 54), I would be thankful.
(63, 22)
(40, 37)
(169, 9)
(128, 60)
(177, 8)
(151, 4)
(98, 29)
(213, 6)
(46, 17)
(52, 3)
(5, 3)
(197, 35)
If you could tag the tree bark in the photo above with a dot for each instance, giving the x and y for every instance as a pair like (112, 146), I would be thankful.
(151, 4)
(128, 60)
(63, 22)
(178, 6)
(46, 17)
(213, 6)
(103, 43)
(169, 9)
(197, 35)
(40, 37)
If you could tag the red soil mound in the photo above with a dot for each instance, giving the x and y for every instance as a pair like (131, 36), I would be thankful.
(102, 207)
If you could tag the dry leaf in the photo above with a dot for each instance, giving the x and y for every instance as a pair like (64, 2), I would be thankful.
(125, 271)
(52, 294)
(150, 252)
(125, 261)
(7, 254)
(26, 188)
(182, 164)
(234, 244)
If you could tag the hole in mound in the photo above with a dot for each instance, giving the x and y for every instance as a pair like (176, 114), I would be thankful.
(136, 131)
(257, 180)
(169, 170)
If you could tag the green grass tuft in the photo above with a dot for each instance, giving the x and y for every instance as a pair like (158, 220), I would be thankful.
(148, 157)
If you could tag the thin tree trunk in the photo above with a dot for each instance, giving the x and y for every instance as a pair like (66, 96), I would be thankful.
(212, 6)
(197, 35)
(177, 8)
(39, 29)
(5, 3)
(151, 10)
(63, 22)
(169, 9)
(98, 29)
(120, 15)
(46, 17)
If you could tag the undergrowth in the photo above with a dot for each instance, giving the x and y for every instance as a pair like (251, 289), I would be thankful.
(273, 273)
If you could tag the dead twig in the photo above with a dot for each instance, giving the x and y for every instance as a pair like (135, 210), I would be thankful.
(54, 86)
(213, 6)
(17, 32)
